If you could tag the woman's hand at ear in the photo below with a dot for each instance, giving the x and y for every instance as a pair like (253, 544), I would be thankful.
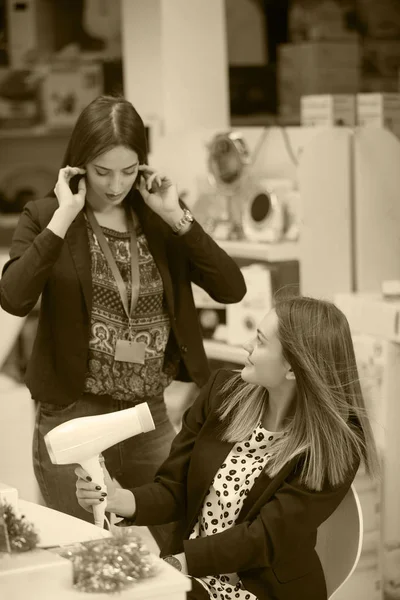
(69, 204)
(67, 200)
(160, 194)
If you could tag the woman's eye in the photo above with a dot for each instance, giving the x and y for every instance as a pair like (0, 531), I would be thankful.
(102, 174)
(132, 172)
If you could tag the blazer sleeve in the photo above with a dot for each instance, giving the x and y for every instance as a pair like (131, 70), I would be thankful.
(211, 267)
(164, 501)
(287, 519)
(32, 256)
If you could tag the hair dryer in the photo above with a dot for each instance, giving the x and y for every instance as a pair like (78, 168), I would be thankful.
(82, 440)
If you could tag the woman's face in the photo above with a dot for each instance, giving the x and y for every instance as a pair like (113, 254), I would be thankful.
(110, 176)
(266, 364)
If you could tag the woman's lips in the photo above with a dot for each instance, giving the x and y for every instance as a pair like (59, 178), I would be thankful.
(113, 196)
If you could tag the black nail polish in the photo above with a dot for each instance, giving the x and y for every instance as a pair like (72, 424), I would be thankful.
(101, 499)
(98, 487)
(88, 478)
(103, 494)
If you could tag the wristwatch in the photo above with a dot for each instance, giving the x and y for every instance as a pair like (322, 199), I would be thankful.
(173, 561)
(185, 220)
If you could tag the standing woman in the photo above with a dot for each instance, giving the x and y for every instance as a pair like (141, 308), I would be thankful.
(112, 255)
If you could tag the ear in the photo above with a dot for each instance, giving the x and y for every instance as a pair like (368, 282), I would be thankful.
(290, 376)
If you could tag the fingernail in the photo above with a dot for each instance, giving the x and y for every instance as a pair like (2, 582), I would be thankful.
(98, 487)
(103, 494)
(101, 499)
(88, 478)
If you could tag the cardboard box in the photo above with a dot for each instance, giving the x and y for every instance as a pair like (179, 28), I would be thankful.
(381, 58)
(30, 31)
(320, 55)
(66, 91)
(371, 314)
(38, 573)
(320, 20)
(316, 68)
(380, 18)
(377, 84)
(327, 110)
(379, 110)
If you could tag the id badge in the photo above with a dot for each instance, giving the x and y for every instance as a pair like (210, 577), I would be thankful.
(128, 351)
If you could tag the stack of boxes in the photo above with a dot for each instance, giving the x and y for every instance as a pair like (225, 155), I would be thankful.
(381, 45)
(323, 56)
(317, 67)
(364, 110)
(329, 75)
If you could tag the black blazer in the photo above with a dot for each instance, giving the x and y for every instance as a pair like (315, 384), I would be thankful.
(41, 263)
(271, 546)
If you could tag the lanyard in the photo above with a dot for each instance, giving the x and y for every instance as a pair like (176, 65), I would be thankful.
(113, 265)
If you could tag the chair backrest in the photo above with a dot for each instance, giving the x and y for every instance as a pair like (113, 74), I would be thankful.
(339, 542)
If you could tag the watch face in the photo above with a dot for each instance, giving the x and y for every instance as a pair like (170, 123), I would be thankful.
(174, 562)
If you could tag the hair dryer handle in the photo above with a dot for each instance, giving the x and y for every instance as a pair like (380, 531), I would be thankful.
(93, 467)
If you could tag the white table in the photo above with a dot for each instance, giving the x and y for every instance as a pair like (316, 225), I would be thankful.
(55, 528)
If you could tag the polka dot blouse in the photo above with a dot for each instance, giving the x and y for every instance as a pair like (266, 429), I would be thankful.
(224, 501)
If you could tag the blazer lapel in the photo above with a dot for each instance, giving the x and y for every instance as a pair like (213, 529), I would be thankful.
(264, 488)
(78, 243)
(157, 246)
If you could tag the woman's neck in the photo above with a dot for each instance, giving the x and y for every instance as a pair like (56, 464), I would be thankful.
(278, 408)
(113, 218)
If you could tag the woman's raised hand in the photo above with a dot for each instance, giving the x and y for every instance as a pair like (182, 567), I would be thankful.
(160, 194)
(72, 203)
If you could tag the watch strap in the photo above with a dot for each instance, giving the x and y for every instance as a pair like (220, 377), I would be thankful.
(186, 219)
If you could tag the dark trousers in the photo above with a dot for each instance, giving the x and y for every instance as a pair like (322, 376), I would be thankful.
(132, 462)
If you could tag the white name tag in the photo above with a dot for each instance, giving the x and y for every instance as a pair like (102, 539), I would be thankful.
(128, 351)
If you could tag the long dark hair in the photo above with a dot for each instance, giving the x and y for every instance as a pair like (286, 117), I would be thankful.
(106, 122)
(330, 428)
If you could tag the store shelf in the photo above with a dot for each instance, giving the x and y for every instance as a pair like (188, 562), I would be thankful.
(278, 252)
(225, 352)
(34, 131)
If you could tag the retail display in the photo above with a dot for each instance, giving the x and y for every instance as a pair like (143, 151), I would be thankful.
(239, 202)
(328, 110)
(23, 183)
(379, 110)
(373, 322)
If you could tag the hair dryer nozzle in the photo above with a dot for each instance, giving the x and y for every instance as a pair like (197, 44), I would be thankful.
(145, 417)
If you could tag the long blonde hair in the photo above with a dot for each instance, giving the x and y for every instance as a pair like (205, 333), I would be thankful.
(329, 429)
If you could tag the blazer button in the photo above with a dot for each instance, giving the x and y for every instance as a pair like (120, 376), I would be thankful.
(184, 349)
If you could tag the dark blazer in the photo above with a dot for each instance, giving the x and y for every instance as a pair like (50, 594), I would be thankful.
(271, 545)
(41, 263)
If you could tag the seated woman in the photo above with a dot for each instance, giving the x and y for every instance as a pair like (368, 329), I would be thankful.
(263, 458)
